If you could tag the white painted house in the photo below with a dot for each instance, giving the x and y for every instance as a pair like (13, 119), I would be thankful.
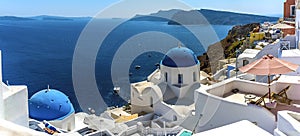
(248, 56)
(13, 102)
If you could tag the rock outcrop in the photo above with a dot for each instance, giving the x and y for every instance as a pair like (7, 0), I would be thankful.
(225, 48)
(204, 16)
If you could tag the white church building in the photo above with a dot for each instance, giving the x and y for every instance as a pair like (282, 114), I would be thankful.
(169, 90)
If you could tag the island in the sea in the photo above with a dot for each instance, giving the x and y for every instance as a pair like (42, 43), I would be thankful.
(173, 17)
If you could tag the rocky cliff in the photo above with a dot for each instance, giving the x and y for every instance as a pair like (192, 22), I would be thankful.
(225, 48)
(203, 16)
(195, 17)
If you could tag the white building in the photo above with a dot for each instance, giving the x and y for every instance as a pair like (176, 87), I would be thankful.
(292, 56)
(248, 56)
(169, 91)
(13, 102)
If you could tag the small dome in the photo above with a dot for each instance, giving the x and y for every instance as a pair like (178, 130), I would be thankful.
(49, 104)
(180, 57)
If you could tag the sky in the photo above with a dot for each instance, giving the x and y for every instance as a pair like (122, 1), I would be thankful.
(128, 8)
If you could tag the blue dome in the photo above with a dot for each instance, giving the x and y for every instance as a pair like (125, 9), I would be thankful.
(49, 105)
(180, 57)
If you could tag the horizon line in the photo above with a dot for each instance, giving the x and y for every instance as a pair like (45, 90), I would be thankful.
(83, 16)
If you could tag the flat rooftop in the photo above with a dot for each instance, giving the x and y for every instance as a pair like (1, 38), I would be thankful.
(249, 53)
(250, 93)
(290, 53)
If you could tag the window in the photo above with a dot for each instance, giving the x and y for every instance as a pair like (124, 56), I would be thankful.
(166, 77)
(180, 78)
(194, 77)
(69, 126)
(284, 45)
(245, 62)
(292, 10)
(174, 118)
(151, 102)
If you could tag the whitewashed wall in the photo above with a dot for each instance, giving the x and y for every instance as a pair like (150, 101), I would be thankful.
(141, 101)
(187, 78)
(16, 105)
(217, 112)
(294, 60)
(287, 124)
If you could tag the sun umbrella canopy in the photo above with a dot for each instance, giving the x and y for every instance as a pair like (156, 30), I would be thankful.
(269, 65)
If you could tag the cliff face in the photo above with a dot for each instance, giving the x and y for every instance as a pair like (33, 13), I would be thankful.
(203, 16)
(231, 42)
(225, 48)
(160, 16)
(195, 17)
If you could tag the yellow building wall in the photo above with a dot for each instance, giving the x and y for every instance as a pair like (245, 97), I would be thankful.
(256, 36)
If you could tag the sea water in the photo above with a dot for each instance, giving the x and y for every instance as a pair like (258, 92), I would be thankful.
(38, 53)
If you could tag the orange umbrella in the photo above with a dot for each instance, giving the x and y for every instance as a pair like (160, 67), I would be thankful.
(269, 65)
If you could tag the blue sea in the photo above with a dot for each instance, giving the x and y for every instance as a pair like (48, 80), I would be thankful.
(38, 53)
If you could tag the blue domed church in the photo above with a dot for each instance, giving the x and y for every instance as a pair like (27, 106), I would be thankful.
(180, 69)
(169, 90)
(180, 57)
(53, 106)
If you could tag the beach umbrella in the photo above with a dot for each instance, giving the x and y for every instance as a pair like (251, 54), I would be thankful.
(269, 65)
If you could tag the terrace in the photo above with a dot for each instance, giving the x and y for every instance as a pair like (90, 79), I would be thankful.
(236, 99)
(253, 93)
